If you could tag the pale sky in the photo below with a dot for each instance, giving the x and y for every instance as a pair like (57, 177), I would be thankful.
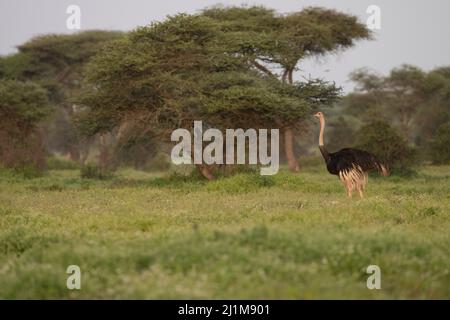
(412, 31)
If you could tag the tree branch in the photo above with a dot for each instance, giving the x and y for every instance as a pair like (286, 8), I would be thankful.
(283, 78)
(263, 69)
(291, 78)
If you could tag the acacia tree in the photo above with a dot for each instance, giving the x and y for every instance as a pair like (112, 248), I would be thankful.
(439, 146)
(436, 110)
(168, 74)
(56, 63)
(273, 42)
(410, 99)
(22, 106)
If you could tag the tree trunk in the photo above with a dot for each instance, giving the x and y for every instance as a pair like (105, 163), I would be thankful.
(84, 155)
(289, 133)
(284, 77)
(205, 171)
(289, 150)
(104, 158)
(74, 153)
(291, 76)
(37, 148)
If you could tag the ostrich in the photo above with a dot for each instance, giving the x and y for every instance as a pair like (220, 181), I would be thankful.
(351, 165)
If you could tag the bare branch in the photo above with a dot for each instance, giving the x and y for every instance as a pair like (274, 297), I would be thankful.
(263, 69)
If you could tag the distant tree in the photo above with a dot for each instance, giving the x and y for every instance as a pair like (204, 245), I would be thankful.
(56, 63)
(168, 74)
(405, 95)
(397, 96)
(369, 100)
(272, 42)
(342, 134)
(134, 147)
(382, 140)
(22, 106)
(413, 101)
(436, 110)
(440, 145)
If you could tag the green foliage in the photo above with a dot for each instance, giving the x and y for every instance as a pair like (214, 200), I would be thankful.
(413, 101)
(437, 111)
(440, 145)
(56, 63)
(171, 72)
(59, 163)
(15, 66)
(22, 106)
(24, 171)
(134, 147)
(94, 171)
(25, 103)
(63, 56)
(260, 34)
(216, 66)
(29, 171)
(342, 133)
(366, 80)
(382, 140)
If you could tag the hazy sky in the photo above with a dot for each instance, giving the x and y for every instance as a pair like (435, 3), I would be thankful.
(412, 31)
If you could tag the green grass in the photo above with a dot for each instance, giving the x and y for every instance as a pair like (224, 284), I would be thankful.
(292, 236)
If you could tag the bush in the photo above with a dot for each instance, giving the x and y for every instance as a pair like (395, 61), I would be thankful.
(57, 163)
(382, 140)
(22, 106)
(440, 146)
(93, 171)
(29, 171)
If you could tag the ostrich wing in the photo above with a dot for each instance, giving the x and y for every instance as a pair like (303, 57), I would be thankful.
(350, 158)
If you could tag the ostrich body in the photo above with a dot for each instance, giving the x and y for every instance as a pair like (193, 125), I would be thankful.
(349, 164)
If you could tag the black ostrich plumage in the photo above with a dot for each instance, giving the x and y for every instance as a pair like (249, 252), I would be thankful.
(349, 158)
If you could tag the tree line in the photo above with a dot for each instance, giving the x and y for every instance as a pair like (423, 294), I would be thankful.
(231, 67)
(404, 116)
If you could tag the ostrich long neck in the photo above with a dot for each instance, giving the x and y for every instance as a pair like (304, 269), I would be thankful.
(324, 151)
(322, 128)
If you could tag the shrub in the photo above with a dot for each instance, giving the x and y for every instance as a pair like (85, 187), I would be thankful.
(382, 140)
(22, 106)
(93, 171)
(29, 171)
(440, 145)
(57, 163)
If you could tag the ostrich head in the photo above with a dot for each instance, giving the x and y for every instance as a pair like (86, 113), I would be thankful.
(318, 115)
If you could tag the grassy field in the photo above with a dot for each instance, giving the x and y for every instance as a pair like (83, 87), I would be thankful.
(142, 235)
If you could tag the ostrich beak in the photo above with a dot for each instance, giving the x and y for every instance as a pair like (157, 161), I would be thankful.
(317, 115)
